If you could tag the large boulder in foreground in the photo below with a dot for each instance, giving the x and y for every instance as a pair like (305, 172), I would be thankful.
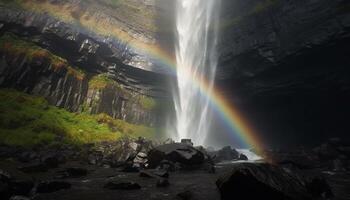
(257, 181)
(177, 153)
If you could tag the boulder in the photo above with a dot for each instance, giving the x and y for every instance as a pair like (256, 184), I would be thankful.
(267, 181)
(72, 173)
(52, 186)
(225, 154)
(242, 157)
(162, 182)
(5, 181)
(34, 167)
(183, 154)
(21, 187)
(114, 185)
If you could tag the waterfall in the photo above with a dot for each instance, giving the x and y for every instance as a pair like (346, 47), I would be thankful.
(197, 32)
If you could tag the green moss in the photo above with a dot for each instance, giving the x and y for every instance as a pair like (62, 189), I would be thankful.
(13, 45)
(101, 81)
(27, 120)
(147, 103)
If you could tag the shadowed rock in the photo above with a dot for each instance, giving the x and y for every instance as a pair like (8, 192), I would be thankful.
(176, 153)
(268, 181)
(113, 185)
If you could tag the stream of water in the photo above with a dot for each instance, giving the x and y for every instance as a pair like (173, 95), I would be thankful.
(196, 56)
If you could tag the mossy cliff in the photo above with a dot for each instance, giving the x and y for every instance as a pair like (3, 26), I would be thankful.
(27, 120)
(28, 67)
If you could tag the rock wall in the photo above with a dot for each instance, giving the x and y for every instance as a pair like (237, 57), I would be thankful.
(38, 76)
(285, 64)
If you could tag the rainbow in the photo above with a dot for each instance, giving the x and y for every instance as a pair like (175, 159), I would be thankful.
(230, 114)
(227, 111)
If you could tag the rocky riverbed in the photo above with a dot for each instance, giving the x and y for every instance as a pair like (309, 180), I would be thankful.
(137, 169)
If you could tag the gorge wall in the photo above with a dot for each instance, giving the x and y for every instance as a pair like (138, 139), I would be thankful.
(85, 56)
(285, 64)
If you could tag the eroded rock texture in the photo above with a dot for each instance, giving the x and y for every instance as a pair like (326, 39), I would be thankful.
(284, 64)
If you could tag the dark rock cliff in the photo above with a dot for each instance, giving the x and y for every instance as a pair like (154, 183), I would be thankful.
(83, 68)
(285, 64)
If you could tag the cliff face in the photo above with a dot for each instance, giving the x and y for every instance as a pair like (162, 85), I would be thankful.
(285, 63)
(85, 56)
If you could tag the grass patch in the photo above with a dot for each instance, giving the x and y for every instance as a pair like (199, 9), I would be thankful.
(27, 120)
(13, 45)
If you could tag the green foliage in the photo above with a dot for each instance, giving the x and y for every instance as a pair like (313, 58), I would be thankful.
(147, 103)
(27, 120)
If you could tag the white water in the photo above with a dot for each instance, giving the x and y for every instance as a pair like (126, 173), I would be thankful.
(197, 32)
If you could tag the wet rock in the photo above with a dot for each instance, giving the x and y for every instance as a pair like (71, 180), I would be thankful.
(52, 186)
(72, 173)
(19, 198)
(266, 180)
(242, 157)
(51, 160)
(225, 154)
(21, 187)
(5, 190)
(27, 156)
(161, 173)
(154, 174)
(185, 195)
(33, 167)
(114, 185)
(162, 182)
(176, 153)
(319, 188)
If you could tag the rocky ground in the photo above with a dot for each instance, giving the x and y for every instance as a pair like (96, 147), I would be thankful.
(134, 169)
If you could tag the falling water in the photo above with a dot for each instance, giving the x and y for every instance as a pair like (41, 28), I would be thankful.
(197, 30)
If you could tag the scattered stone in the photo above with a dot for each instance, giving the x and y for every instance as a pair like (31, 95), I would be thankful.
(51, 160)
(162, 182)
(161, 173)
(113, 185)
(176, 153)
(33, 167)
(52, 186)
(72, 173)
(154, 174)
(5, 176)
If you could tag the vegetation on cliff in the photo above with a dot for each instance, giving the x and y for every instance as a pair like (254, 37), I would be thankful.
(12, 45)
(98, 16)
(101, 81)
(27, 120)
